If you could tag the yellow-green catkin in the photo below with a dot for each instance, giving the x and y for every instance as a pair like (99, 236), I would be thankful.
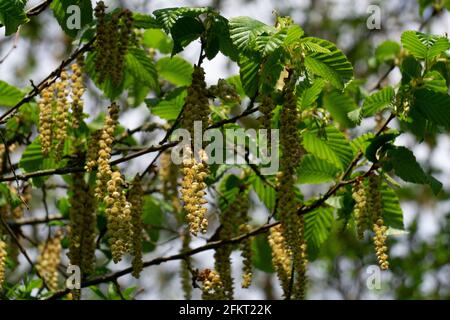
(118, 216)
(104, 150)
(125, 30)
(212, 287)
(246, 253)
(135, 198)
(62, 113)
(222, 254)
(92, 150)
(194, 167)
(48, 261)
(193, 191)
(185, 271)
(266, 108)
(102, 44)
(3, 254)
(281, 257)
(196, 104)
(113, 38)
(82, 225)
(46, 119)
(169, 173)
(378, 226)
(245, 245)
(286, 195)
(225, 91)
(361, 206)
(77, 92)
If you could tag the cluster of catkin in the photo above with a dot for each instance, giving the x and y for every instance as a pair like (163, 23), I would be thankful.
(194, 167)
(3, 254)
(135, 195)
(118, 215)
(368, 212)
(292, 223)
(54, 109)
(225, 91)
(82, 225)
(193, 192)
(48, 261)
(113, 36)
(212, 286)
(232, 220)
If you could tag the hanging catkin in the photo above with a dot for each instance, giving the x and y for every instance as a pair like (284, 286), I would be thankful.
(194, 167)
(82, 225)
(48, 261)
(77, 92)
(2, 261)
(378, 226)
(361, 206)
(104, 150)
(46, 119)
(212, 287)
(135, 195)
(118, 216)
(293, 225)
(62, 113)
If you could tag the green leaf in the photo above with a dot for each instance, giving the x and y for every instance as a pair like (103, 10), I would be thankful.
(439, 47)
(411, 69)
(387, 51)
(362, 142)
(229, 189)
(32, 159)
(184, 31)
(12, 15)
(377, 143)
(244, 30)
(411, 42)
(293, 35)
(69, 12)
(331, 146)
(308, 94)
(434, 81)
(424, 46)
(267, 43)
(168, 16)
(141, 67)
(249, 72)
(378, 101)
(434, 106)
(9, 95)
(340, 105)
(157, 39)
(170, 106)
(175, 70)
(152, 217)
(221, 31)
(392, 211)
(145, 21)
(317, 229)
(332, 66)
(265, 193)
(311, 45)
(262, 253)
(313, 170)
(406, 167)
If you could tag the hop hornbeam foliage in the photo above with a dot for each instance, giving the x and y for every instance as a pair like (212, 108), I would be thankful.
(98, 184)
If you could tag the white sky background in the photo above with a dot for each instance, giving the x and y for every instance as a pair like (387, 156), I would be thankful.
(155, 283)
